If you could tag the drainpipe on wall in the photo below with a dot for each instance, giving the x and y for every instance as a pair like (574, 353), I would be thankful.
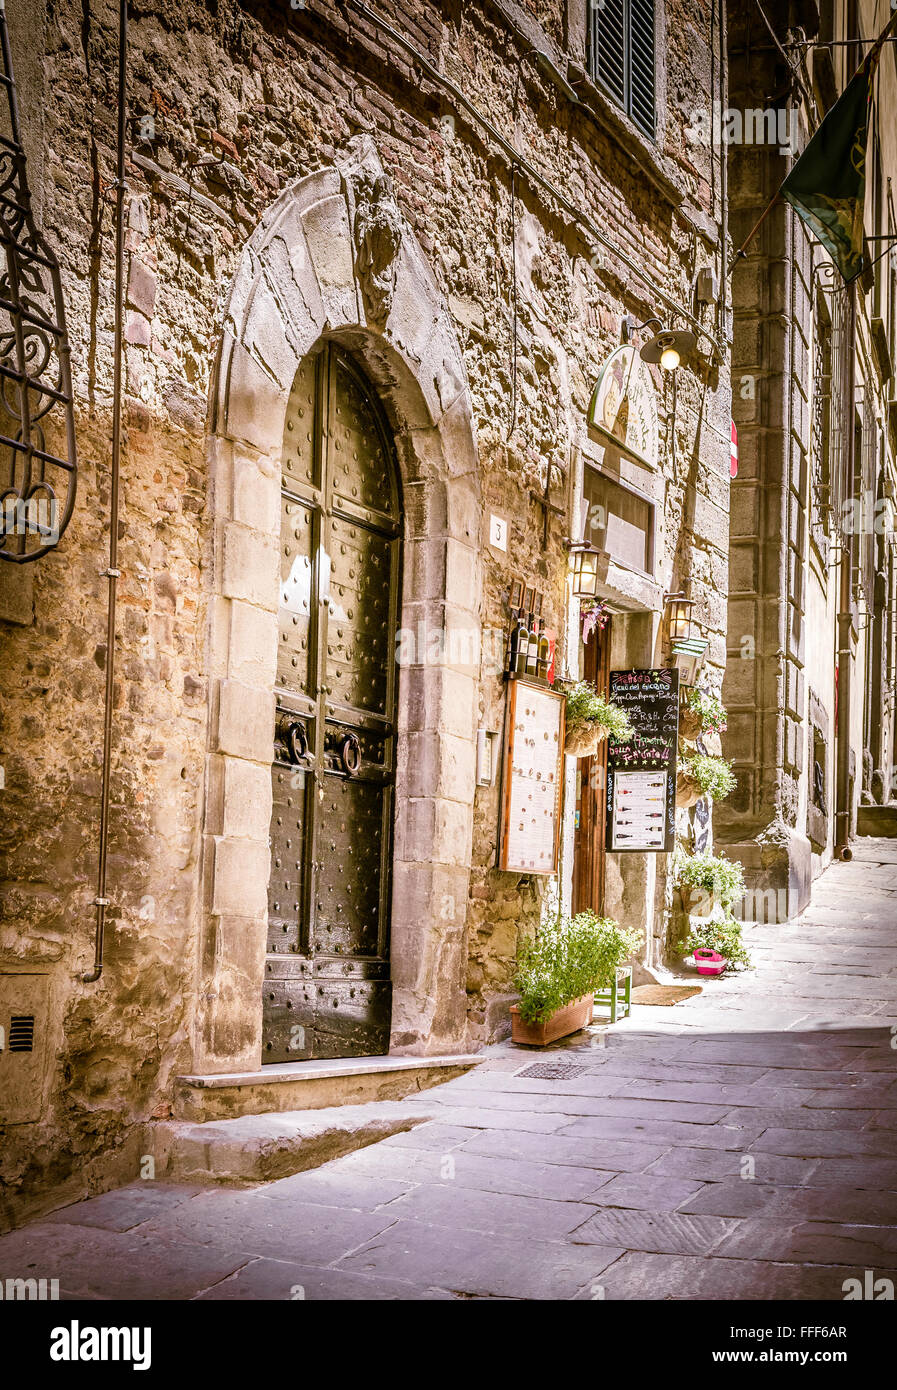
(101, 902)
(845, 621)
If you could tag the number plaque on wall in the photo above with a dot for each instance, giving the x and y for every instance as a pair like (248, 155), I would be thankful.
(641, 773)
(533, 779)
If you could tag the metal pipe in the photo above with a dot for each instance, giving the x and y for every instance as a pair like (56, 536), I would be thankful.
(845, 621)
(101, 902)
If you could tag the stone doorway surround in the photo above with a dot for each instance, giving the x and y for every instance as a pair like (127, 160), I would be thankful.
(334, 258)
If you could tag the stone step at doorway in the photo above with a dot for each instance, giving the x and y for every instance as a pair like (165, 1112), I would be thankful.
(312, 1085)
(253, 1149)
(878, 820)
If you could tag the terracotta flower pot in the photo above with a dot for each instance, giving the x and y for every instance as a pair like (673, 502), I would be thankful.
(584, 740)
(688, 791)
(570, 1019)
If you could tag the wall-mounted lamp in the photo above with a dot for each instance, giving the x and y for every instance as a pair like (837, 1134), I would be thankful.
(669, 347)
(678, 616)
(585, 569)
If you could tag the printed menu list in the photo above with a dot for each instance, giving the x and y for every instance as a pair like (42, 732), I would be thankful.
(533, 780)
(641, 772)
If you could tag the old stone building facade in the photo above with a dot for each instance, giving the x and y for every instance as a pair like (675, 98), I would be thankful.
(811, 634)
(376, 259)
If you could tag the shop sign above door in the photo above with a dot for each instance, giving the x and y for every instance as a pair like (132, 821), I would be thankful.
(624, 405)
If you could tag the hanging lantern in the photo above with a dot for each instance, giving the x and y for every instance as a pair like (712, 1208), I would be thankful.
(585, 569)
(679, 616)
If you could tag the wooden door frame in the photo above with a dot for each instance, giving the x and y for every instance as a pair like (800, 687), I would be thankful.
(589, 857)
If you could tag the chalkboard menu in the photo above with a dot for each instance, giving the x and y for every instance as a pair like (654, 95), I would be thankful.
(641, 773)
(533, 779)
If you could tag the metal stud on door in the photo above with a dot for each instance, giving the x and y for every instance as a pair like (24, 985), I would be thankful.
(327, 988)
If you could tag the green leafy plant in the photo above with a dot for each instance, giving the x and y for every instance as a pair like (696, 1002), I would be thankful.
(724, 936)
(719, 878)
(586, 706)
(708, 707)
(568, 958)
(713, 775)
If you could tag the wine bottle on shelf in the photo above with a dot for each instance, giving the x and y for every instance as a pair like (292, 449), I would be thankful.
(532, 647)
(511, 653)
(522, 645)
(544, 652)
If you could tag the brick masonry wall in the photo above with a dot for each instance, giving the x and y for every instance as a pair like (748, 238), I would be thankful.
(274, 92)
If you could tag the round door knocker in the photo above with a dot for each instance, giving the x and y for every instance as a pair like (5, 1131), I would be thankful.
(297, 742)
(350, 753)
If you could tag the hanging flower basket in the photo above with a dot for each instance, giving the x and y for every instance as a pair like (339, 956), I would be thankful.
(689, 723)
(688, 790)
(584, 740)
(591, 717)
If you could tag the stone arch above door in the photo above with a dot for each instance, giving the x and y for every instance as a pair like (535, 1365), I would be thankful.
(334, 258)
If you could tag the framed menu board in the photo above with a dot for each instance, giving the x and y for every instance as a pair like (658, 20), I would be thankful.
(533, 779)
(641, 773)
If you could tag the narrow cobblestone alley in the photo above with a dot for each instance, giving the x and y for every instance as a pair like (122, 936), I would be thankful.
(740, 1145)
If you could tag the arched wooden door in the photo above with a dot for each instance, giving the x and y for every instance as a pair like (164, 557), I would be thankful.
(327, 987)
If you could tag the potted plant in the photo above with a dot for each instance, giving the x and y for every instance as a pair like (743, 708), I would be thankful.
(591, 717)
(700, 712)
(700, 774)
(559, 971)
(707, 882)
(721, 939)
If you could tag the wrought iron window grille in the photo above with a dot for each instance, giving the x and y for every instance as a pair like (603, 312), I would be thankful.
(38, 466)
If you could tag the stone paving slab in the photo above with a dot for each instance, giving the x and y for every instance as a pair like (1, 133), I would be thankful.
(714, 1166)
(125, 1207)
(825, 1143)
(812, 1242)
(463, 1169)
(648, 1192)
(671, 1233)
(92, 1262)
(484, 1263)
(612, 1154)
(445, 1204)
(678, 1277)
(251, 1222)
(275, 1280)
(669, 1132)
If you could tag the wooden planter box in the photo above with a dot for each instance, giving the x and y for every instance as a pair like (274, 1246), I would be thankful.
(570, 1019)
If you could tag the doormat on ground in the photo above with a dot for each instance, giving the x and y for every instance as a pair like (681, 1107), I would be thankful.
(663, 994)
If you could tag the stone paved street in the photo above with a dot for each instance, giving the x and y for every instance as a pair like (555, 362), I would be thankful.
(740, 1145)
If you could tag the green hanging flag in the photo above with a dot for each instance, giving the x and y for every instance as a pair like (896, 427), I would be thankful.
(827, 185)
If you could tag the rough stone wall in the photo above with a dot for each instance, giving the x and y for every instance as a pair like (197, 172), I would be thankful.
(234, 103)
